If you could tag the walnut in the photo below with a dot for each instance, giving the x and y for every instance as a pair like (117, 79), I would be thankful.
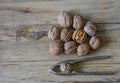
(71, 31)
(66, 67)
(78, 22)
(79, 36)
(54, 33)
(66, 35)
(55, 48)
(70, 47)
(90, 29)
(83, 49)
(94, 42)
(65, 19)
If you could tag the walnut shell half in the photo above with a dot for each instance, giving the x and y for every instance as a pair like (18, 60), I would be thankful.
(79, 36)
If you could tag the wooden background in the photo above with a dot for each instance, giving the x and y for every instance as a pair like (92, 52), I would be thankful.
(28, 61)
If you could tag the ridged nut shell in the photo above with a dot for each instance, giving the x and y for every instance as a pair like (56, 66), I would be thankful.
(66, 35)
(66, 67)
(70, 47)
(65, 19)
(79, 36)
(94, 42)
(83, 49)
(55, 48)
(90, 29)
(54, 33)
(78, 22)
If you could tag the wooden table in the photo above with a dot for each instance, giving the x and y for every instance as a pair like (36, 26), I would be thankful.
(28, 61)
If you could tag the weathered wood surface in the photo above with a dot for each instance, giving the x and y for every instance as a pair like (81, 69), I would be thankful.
(28, 61)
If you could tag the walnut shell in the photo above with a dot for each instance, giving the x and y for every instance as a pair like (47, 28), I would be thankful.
(70, 47)
(90, 29)
(79, 36)
(55, 48)
(66, 35)
(78, 22)
(65, 19)
(54, 33)
(83, 49)
(66, 67)
(94, 42)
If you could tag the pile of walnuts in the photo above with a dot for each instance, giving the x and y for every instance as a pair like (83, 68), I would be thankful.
(73, 35)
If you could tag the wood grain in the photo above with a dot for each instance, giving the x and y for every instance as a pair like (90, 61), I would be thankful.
(28, 61)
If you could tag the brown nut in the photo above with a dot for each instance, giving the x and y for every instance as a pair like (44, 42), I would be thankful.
(55, 48)
(78, 22)
(66, 67)
(79, 36)
(65, 19)
(83, 49)
(70, 47)
(94, 42)
(90, 29)
(66, 35)
(54, 33)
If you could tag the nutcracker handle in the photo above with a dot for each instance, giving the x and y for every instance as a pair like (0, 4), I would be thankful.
(87, 59)
(91, 58)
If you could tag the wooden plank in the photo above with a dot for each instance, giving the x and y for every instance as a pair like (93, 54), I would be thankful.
(38, 72)
(28, 61)
(47, 11)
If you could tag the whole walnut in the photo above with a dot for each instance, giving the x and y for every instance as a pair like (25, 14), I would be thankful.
(66, 67)
(55, 48)
(94, 42)
(79, 36)
(78, 22)
(65, 19)
(54, 33)
(66, 35)
(83, 49)
(90, 29)
(70, 47)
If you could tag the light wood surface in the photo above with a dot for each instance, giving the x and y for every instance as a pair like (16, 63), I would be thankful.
(28, 61)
